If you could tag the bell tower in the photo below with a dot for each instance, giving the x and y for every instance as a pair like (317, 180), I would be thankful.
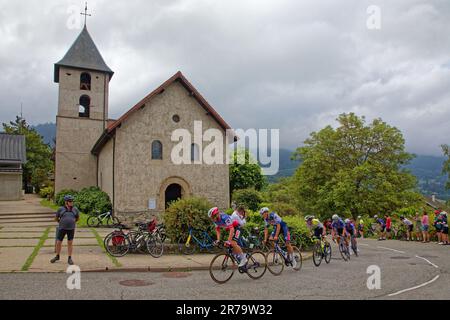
(82, 115)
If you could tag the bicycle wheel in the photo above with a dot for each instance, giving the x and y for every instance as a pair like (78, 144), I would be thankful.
(275, 262)
(93, 221)
(317, 254)
(327, 252)
(186, 248)
(256, 265)
(117, 244)
(222, 268)
(298, 258)
(354, 247)
(155, 246)
(111, 222)
(342, 249)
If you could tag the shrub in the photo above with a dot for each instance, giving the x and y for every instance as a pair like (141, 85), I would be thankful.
(92, 200)
(284, 209)
(59, 199)
(47, 192)
(184, 213)
(250, 198)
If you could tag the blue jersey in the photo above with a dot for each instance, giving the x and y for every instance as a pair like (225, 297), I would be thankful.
(350, 227)
(273, 219)
(225, 221)
(339, 224)
(381, 222)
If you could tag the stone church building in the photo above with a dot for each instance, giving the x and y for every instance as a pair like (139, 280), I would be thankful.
(130, 158)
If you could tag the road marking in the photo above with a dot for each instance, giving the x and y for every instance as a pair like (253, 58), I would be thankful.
(391, 249)
(363, 244)
(413, 288)
(428, 262)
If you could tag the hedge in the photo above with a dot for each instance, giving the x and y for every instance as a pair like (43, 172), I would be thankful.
(91, 200)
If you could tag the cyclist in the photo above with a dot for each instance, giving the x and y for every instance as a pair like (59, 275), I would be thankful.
(222, 220)
(337, 227)
(361, 227)
(279, 226)
(444, 233)
(315, 225)
(238, 218)
(349, 230)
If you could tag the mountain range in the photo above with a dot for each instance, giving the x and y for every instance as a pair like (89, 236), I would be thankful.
(427, 169)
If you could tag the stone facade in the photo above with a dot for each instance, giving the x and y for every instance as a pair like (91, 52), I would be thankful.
(138, 178)
(75, 166)
(11, 186)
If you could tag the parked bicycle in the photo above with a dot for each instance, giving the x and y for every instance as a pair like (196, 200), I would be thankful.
(223, 265)
(278, 257)
(145, 239)
(253, 241)
(321, 250)
(195, 240)
(95, 220)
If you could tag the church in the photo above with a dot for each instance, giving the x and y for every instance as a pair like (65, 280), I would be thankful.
(130, 158)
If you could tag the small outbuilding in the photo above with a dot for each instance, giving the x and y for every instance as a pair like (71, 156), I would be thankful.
(12, 157)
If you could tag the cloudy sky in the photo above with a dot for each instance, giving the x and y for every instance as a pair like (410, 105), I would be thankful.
(293, 65)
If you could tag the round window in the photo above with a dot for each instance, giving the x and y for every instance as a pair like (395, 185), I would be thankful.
(176, 118)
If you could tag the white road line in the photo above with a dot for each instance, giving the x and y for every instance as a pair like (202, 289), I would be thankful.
(363, 244)
(413, 288)
(391, 249)
(428, 261)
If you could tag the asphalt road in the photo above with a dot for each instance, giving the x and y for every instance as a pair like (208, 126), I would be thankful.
(403, 276)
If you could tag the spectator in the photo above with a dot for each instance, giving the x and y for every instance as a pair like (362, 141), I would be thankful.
(438, 225)
(361, 227)
(382, 224)
(425, 227)
(444, 234)
(417, 227)
(67, 216)
(409, 227)
(388, 225)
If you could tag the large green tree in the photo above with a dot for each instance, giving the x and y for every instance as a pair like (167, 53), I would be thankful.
(245, 173)
(39, 163)
(354, 169)
(446, 168)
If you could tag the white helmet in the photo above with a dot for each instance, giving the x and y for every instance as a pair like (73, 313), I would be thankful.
(265, 209)
(375, 216)
(335, 217)
(359, 217)
(347, 221)
(308, 217)
(212, 212)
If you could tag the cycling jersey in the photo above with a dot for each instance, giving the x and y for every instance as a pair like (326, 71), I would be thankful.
(315, 224)
(237, 217)
(350, 228)
(338, 224)
(225, 221)
(275, 220)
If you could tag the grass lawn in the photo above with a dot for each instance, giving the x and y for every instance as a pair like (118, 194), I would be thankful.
(82, 223)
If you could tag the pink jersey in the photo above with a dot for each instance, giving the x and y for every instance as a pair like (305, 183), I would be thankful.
(425, 220)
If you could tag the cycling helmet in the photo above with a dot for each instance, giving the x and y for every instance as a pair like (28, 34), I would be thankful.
(335, 217)
(375, 216)
(212, 212)
(347, 220)
(308, 218)
(265, 209)
(359, 217)
(68, 198)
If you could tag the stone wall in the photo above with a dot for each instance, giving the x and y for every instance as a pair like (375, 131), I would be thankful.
(10, 186)
(139, 178)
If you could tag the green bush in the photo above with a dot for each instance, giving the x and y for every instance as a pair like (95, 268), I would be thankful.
(92, 200)
(59, 199)
(47, 192)
(284, 209)
(250, 198)
(187, 212)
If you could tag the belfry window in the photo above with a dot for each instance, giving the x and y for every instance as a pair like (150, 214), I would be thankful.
(157, 150)
(85, 81)
(85, 104)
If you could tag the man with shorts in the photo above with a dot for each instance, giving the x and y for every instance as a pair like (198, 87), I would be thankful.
(409, 227)
(444, 234)
(382, 227)
(67, 216)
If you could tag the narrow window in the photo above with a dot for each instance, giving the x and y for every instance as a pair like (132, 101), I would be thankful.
(157, 150)
(195, 153)
(85, 103)
(85, 81)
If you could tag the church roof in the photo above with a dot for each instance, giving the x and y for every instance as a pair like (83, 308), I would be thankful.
(109, 131)
(83, 54)
(12, 148)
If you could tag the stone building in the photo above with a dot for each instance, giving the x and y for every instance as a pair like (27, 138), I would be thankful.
(12, 156)
(130, 158)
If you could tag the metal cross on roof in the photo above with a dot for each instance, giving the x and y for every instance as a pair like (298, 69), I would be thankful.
(85, 14)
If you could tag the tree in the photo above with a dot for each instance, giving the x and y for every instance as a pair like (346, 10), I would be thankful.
(39, 164)
(446, 167)
(245, 174)
(354, 169)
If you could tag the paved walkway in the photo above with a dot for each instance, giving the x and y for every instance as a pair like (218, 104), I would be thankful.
(27, 239)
